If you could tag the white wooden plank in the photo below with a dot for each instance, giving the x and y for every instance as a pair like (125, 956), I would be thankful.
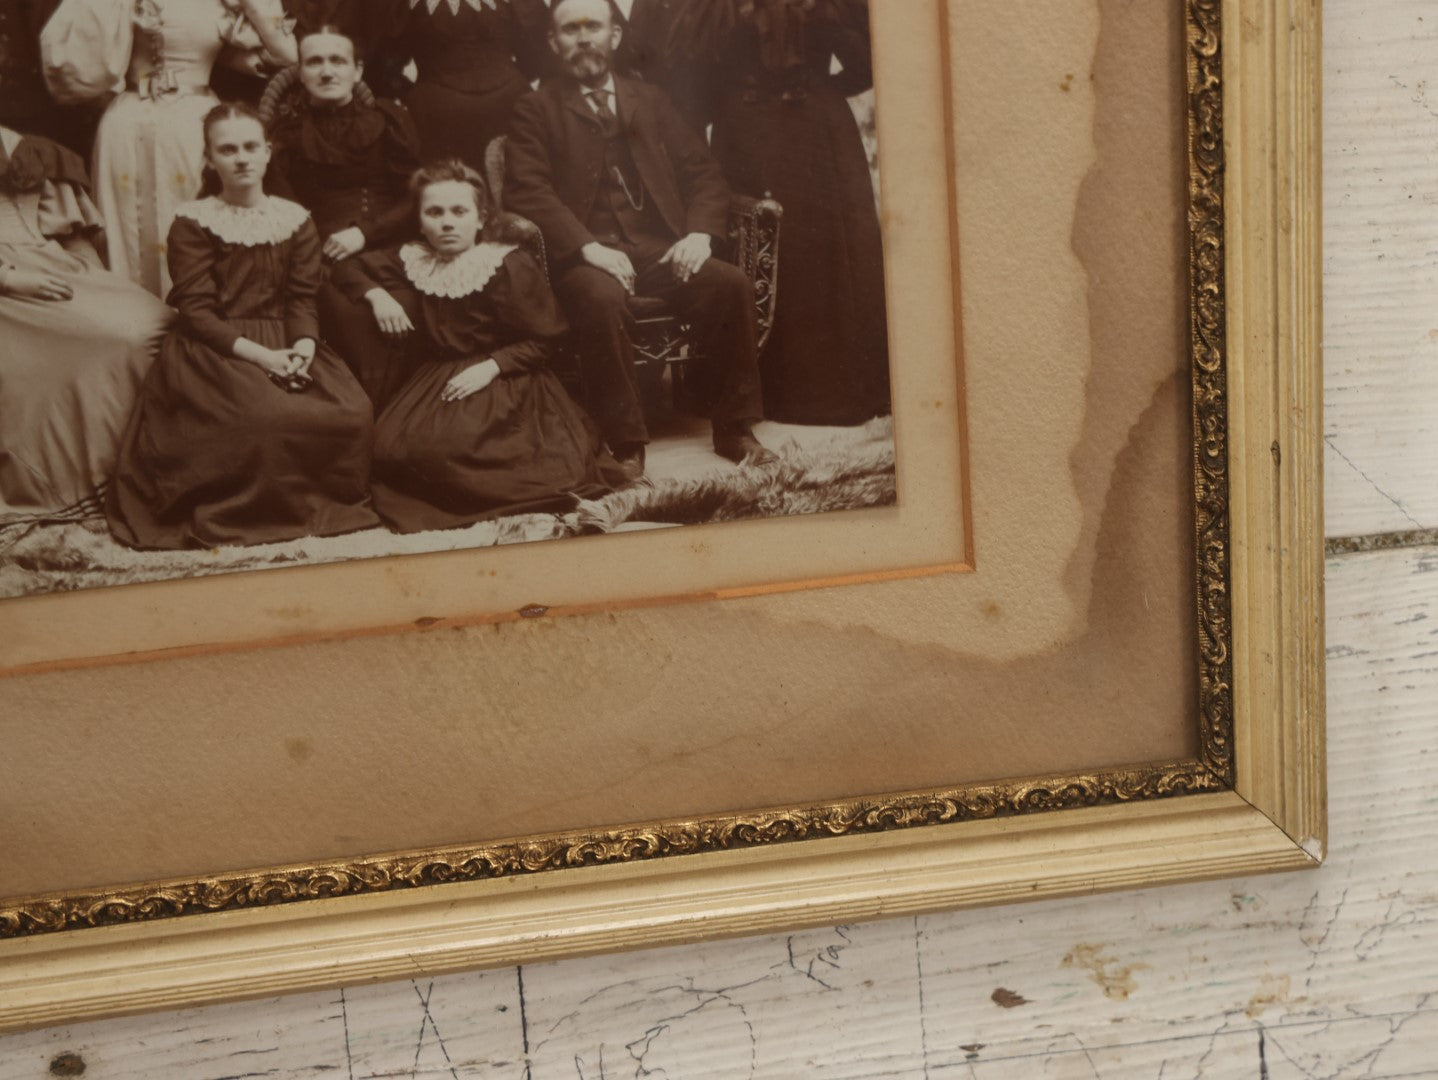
(1332, 974)
(1380, 265)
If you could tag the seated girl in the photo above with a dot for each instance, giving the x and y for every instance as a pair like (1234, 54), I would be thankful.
(482, 428)
(75, 340)
(247, 430)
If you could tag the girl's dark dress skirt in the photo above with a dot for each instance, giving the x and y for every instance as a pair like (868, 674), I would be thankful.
(217, 454)
(518, 446)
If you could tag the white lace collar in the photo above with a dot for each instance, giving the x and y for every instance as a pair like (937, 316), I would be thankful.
(453, 278)
(272, 222)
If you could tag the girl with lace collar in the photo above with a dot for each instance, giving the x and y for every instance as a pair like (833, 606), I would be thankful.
(478, 427)
(248, 429)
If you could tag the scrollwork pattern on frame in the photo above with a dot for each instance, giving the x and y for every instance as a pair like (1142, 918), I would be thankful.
(285, 885)
(1208, 326)
(1212, 771)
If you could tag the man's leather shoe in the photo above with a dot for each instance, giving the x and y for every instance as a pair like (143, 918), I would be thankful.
(739, 445)
(630, 458)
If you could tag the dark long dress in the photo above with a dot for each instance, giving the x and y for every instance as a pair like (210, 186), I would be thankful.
(783, 127)
(521, 445)
(474, 61)
(216, 453)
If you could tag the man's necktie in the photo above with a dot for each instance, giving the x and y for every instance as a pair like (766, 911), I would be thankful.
(600, 101)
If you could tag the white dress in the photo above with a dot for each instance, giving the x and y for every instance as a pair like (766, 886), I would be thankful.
(149, 151)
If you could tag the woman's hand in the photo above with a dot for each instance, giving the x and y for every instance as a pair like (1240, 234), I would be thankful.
(392, 319)
(343, 244)
(304, 349)
(279, 363)
(34, 285)
(471, 380)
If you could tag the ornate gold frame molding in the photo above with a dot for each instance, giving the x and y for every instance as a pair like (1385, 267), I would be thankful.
(1213, 771)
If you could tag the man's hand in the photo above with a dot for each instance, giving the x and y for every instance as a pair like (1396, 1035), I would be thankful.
(343, 244)
(688, 256)
(389, 315)
(614, 263)
(471, 380)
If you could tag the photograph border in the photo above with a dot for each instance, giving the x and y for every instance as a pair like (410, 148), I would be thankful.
(1256, 793)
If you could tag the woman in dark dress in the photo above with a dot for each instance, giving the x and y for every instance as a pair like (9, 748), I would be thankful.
(347, 161)
(783, 127)
(482, 428)
(475, 59)
(247, 431)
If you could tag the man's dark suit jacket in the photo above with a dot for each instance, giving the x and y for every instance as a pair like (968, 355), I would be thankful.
(556, 154)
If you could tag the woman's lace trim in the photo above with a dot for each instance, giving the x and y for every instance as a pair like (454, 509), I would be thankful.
(272, 222)
(453, 278)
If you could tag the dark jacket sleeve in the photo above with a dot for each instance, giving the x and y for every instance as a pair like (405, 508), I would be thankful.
(302, 284)
(702, 186)
(849, 35)
(526, 307)
(191, 252)
(530, 187)
(400, 143)
(357, 275)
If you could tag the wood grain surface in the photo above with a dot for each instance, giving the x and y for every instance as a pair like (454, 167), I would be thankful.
(1332, 974)
(1327, 974)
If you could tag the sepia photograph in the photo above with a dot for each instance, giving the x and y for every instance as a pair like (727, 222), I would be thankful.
(322, 280)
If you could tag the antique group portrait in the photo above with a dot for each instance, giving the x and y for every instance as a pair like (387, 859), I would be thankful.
(301, 281)
(498, 445)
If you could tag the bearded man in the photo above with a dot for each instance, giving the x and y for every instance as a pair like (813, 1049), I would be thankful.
(630, 202)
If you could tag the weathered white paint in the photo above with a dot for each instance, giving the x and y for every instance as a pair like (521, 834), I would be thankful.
(1328, 974)
(1332, 974)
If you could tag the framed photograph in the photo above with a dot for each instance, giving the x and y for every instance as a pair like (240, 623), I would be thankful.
(1019, 596)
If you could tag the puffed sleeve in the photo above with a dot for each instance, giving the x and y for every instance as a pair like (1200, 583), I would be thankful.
(302, 284)
(191, 253)
(240, 33)
(66, 210)
(67, 214)
(526, 307)
(85, 48)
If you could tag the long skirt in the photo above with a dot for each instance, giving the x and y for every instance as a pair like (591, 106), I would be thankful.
(521, 445)
(827, 358)
(217, 454)
(69, 374)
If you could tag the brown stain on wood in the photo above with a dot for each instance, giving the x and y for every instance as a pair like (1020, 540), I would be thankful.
(1115, 980)
(1271, 991)
(299, 749)
(1004, 998)
(67, 1065)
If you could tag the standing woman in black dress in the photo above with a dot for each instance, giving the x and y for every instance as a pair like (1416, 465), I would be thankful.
(474, 58)
(777, 75)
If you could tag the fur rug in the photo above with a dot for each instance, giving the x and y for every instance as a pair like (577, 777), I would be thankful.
(812, 481)
(845, 470)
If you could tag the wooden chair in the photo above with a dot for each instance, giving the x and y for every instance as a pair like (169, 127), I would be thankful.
(284, 96)
(661, 339)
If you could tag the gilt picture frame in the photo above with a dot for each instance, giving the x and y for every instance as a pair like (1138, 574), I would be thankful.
(781, 833)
